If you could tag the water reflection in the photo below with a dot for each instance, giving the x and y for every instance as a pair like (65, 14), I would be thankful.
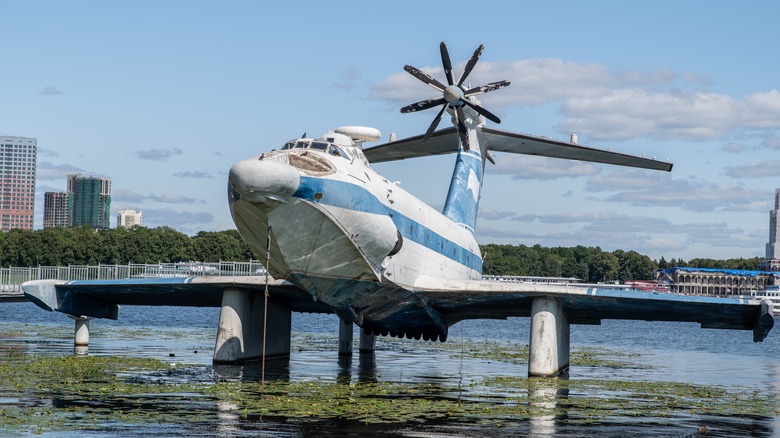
(275, 369)
(543, 395)
(665, 352)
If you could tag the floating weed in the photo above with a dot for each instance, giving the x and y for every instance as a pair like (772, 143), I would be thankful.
(72, 392)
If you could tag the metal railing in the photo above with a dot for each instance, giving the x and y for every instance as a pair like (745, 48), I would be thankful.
(11, 278)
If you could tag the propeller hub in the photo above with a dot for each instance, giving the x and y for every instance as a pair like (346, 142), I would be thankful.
(453, 95)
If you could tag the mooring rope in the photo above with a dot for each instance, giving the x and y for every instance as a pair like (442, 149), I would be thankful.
(265, 307)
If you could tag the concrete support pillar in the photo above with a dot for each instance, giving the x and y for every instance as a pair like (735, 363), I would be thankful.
(549, 345)
(240, 332)
(367, 343)
(345, 338)
(82, 332)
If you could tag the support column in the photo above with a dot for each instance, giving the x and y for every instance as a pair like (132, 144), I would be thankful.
(240, 331)
(82, 331)
(81, 335)
(345, 338)
(549, 345)
(367, 343)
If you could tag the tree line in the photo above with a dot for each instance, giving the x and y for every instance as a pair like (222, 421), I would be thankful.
(85, 246)
(589, 264)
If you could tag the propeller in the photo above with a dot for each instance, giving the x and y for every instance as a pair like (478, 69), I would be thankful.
(453, 94)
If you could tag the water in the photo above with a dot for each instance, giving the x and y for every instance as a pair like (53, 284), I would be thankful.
(657, 352)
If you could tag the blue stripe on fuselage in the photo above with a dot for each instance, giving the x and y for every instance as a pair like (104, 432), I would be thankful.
(353, 197)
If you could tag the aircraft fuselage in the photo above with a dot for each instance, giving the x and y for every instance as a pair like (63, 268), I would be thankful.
(347, 235)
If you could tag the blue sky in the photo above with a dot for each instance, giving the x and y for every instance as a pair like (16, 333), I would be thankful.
(163, 96)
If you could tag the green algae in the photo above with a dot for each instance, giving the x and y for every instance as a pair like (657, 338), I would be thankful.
(42, 393)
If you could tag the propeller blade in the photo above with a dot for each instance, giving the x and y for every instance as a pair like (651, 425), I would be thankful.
(423, 105)
(470, 65)
(445, 61)
(490, 116)
(434, 124)
(462, 131)
(425, 77)
(485, 88)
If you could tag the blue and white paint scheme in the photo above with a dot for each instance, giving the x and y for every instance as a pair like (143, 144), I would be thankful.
(360, 243)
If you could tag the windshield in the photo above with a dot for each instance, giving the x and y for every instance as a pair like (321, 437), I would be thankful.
(319, 145)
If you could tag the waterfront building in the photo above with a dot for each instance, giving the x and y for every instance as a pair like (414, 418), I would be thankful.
(91, 201)
(772, 257)
(17, 182)
(128, 218)
(715, 281)
(57, 208)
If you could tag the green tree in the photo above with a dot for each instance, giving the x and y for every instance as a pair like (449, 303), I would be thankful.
(634, 266)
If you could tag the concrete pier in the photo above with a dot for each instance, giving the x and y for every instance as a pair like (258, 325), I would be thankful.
(240, 332)
(548, 354)
(345, 338)
(81, 338)
(367, 343)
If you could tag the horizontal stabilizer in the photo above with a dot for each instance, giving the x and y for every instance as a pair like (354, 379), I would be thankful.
(446, 141)
(505, 141)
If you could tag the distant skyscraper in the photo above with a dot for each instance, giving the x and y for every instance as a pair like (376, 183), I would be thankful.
(57, 208)
(772, 261)
(128, 218)
(17, 182)
(91, 201)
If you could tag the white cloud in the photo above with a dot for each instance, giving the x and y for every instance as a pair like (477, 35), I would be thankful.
(157, 154)
(603, 104)
(49, 91)
(541, 168)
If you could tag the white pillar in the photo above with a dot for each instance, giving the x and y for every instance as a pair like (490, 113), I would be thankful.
(81, 335)
(345, 338)
(549, 345)
(82, 331)
(240, 332)
(367, 342)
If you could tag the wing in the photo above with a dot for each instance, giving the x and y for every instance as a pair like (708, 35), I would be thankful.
(101, 298)
(505, 141)
(446, 141)
(458, 300)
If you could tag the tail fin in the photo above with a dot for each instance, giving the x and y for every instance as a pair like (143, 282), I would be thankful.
(466, 184)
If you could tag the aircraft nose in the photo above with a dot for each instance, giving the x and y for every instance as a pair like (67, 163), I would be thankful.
(262, 181)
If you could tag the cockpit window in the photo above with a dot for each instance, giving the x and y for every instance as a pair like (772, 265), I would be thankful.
(325, 146)
(319, 145)
(337, 151)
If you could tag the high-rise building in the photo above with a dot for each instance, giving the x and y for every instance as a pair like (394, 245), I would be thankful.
(128, 218)
(91, 201)
(772, 261)
(57, 208)
(17, 182)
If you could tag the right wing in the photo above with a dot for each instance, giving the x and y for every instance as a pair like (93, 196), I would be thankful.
(458, 300)
(102, 298)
